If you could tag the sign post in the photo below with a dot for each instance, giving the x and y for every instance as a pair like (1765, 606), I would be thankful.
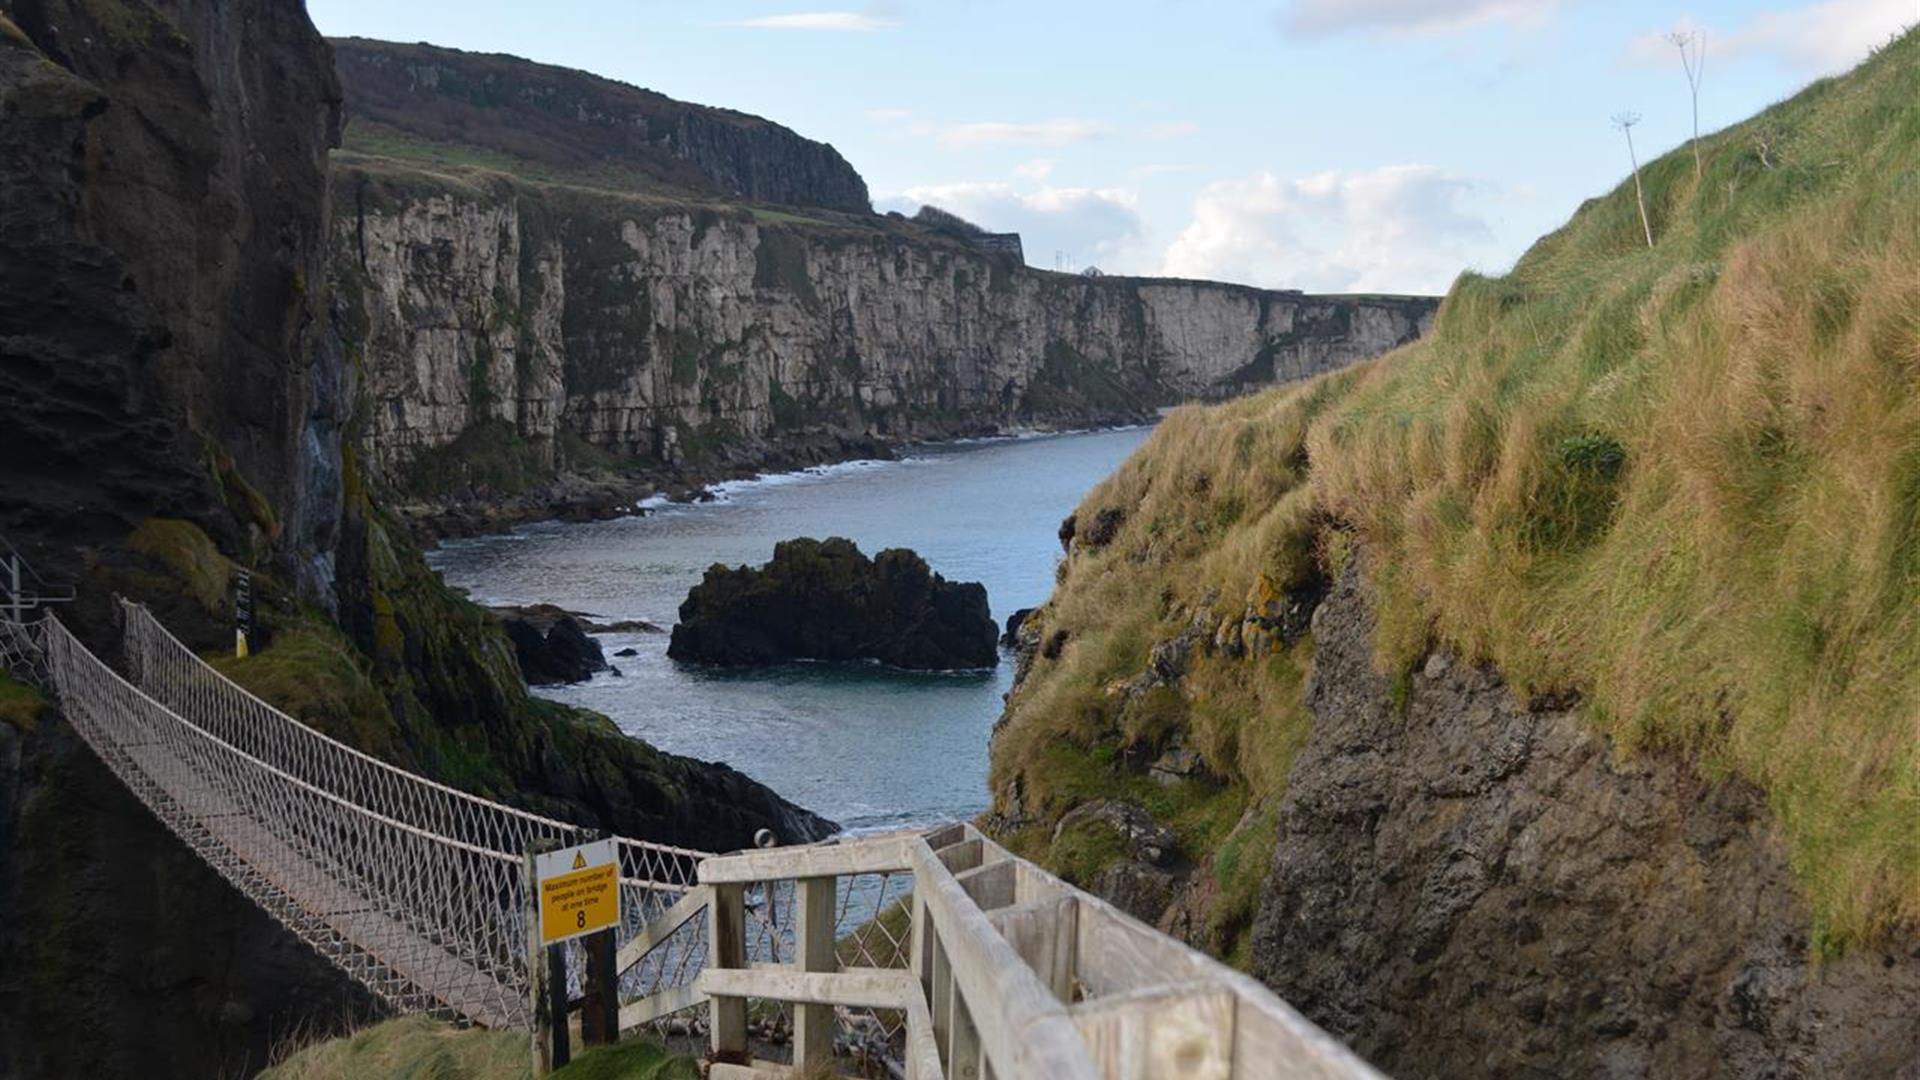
(242, 613)
(576, 894)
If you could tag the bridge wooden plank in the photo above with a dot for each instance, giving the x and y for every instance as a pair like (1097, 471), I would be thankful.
(658, 1004)
(318, 891)
(664, 926)
(873, 988)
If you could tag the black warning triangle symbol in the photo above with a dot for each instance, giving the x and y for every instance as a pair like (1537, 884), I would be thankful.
(579, 860)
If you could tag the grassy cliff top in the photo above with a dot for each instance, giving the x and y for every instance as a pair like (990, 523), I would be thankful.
(1682, 482)
(568, 121)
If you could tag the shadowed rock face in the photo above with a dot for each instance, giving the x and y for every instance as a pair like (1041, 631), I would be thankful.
(563, 653)
(162, 352)
(162, 222)
(827, 601)
(1477, 888)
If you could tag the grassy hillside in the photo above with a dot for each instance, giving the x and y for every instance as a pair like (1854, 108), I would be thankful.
(1682, 482)
(418, 1048)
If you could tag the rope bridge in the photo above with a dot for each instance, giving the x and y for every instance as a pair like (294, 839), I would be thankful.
(418, 891)
(929, 955)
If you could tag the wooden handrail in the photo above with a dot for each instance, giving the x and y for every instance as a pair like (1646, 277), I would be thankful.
(870, 855)
(1014, 974)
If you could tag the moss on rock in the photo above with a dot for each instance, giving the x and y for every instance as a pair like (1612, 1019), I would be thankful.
(21, 706)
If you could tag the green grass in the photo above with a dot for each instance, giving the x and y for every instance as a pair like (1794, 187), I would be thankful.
(464, 160)
(314, 674)
(1239, 870)
(415, 1048)
(782, 217)
(1683, 481)
(191, 557)
(21, 706)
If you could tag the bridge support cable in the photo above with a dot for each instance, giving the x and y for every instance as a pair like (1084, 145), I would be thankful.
(415, 889)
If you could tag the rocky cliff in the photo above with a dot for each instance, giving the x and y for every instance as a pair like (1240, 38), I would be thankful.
(507, 329)
(580, 125)
(1466, 884)
(177, 393)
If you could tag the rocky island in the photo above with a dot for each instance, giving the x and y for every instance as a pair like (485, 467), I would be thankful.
(826, 600)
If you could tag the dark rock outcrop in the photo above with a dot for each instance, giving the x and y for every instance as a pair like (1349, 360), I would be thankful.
(825, 600)
(1148, 871)
(1473, 887)
(572, 121)
(562, 653)
(1011, 637)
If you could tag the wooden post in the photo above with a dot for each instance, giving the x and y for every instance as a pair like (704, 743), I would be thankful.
(920, 943)
(963, 1061)
(940, 1001)
(600, 1005)
(813, 941)
(727, 948)
(557, 1003)
(540, 1044)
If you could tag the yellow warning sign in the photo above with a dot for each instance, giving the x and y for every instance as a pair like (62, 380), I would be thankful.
(579, 891)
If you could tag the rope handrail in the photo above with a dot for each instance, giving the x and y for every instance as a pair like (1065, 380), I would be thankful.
(148, 641)
(416, 889)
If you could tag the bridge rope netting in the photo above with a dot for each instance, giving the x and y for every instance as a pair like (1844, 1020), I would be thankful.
(417, 890)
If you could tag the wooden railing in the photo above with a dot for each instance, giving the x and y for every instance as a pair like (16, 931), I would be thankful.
(1013, 974)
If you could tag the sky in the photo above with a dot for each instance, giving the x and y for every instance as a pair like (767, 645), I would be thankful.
(1326, 145)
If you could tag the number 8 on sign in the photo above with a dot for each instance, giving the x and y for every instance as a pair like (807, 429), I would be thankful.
(579, 890)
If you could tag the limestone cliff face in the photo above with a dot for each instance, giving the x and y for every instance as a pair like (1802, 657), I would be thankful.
(661, 332)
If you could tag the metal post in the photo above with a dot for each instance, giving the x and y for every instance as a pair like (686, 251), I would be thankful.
(13, 595)
(557, 1003)
(600, 1006)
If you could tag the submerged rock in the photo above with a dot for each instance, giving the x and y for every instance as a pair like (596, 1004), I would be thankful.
(825, 600)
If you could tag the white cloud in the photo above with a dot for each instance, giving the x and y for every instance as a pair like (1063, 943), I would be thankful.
(1042, 133)
(1401, 228)
(1161, 169)
(1824, 37)
(841, 21)
(1037, 169)
(1090, 223)
(1410, 17)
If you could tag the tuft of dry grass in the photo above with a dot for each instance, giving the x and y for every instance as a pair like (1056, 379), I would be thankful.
(416, 1048)
(1683, 481)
